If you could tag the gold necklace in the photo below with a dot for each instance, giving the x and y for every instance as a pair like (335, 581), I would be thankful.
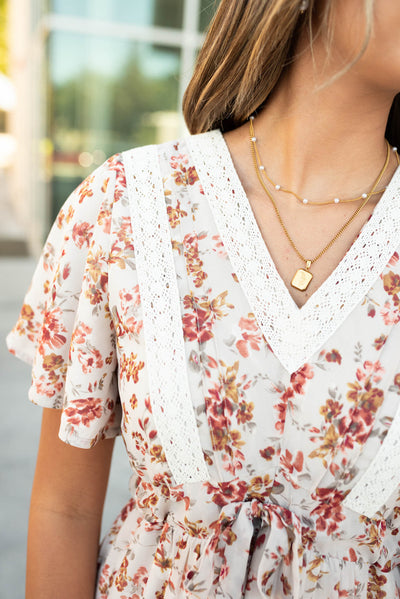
(301, 199)
(303, 277)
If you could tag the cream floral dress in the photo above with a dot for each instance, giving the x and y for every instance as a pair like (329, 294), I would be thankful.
(264, 438)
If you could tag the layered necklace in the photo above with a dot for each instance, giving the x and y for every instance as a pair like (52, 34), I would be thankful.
(303, 276)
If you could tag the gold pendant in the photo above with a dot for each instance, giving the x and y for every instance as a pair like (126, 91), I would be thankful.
(302, 278)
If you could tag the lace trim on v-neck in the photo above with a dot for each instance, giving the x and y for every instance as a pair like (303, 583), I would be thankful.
(293, 333)
(381, 478)
(162, 323)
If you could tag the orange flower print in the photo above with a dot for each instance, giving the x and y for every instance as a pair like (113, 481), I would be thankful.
(130, 367)
(219, 247)
(226, 492)
(140, 576)
(52, 362)
(60, 218)
(333, 356)
(328, 440)
(27, 325)
(175, 214)
(124, 234)
(397, 380)
(129, 298)
(251, 335)
(161, 560)
(390, 313)
(104, 219)
(375, 584)
(260, 487)
(90, 358)
(315, 564)
(393, 260)
(157, 453)
(161, 593)
(84, 190)
(53, 331)
(96, 267)
(267, 453)
(80, 333)
(84, 411)
(121, 580)
(45, 387)
(391, 283)
(193, 262)
(298, 379)
(178, 160)
(329, 510)
(372, 370)
(94, 295)
(198, 323)
(291, 464)
(232, 460)
(331, 410)
(82, 233)
(281, 408)
(245, 412)
(183, 175)
(380, 342)
(70, 214)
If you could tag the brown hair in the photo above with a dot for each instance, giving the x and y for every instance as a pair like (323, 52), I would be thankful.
(248, 46)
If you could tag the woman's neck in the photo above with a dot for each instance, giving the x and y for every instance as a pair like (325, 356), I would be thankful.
(335, 134)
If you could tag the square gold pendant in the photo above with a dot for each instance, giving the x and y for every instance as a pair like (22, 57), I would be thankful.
(301, 279)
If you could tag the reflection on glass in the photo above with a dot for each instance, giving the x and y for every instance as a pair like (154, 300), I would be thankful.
(164, 13)
(107, 95)
(207, 11)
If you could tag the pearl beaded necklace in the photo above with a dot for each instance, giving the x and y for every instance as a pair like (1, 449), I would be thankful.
(303, 200)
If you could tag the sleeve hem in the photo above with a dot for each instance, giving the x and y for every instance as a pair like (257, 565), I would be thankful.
(15, 346)
(86, 442)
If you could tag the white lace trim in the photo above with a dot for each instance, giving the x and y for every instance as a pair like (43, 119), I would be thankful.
(381, 478)
(162, 323)
(293, 333)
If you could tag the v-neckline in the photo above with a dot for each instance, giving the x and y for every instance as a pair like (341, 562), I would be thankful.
(293, 332)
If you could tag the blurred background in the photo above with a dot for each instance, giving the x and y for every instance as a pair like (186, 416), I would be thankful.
(79, 81)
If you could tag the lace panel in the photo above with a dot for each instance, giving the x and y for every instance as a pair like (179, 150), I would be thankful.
(162, 323)
(293, 333)
(381, 478)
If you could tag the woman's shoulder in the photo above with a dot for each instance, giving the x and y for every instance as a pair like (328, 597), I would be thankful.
(98, 193)
(165, 159)
(167, 151)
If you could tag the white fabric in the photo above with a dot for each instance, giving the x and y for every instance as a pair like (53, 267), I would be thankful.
(381, 478)
(293, 333)
(162, 322)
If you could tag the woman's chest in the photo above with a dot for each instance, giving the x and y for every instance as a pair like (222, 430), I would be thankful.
(300, 233)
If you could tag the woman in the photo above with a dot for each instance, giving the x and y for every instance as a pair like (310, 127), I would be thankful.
(238, 302)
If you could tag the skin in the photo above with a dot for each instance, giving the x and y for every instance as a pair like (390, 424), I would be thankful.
(324, 143)
(65, 515)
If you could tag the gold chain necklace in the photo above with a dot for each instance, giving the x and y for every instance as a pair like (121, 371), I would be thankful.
(301, 199)
(303, 277)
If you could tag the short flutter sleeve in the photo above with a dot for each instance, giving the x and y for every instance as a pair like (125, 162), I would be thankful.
(64, 328)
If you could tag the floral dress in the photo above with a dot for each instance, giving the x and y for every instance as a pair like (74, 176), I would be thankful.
(264, 439)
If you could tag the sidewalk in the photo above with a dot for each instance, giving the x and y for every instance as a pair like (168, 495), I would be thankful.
(19, 434)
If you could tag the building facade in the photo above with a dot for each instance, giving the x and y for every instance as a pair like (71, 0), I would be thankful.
(93, 77)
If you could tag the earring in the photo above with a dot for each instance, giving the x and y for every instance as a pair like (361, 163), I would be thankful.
(303, 6)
